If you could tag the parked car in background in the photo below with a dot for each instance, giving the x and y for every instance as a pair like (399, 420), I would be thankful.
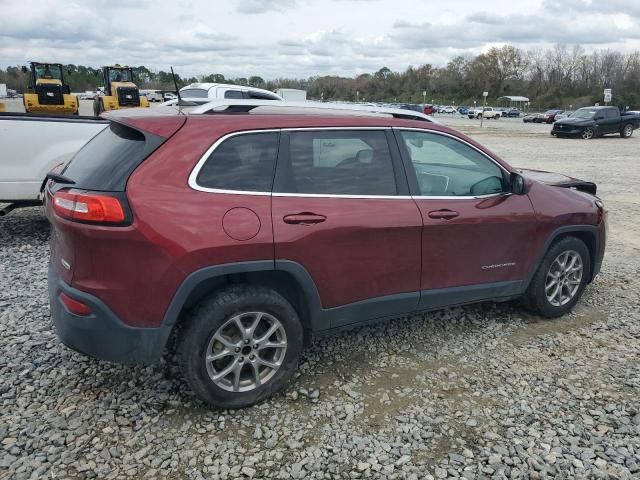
(474, 112)
(410, 106)
(590, 122)
(212, 91)
(32, 144)
(169, 96)
(429, 109)
(447, 109)
(550, 116)
(513, 113)
(463, 110)
(490, 112)
(243, 266)
(563, 115)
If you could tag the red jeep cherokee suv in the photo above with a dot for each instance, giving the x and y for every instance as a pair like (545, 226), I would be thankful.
(246, 234)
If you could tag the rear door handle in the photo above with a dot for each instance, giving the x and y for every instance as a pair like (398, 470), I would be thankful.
(304, 218)
(443, 214)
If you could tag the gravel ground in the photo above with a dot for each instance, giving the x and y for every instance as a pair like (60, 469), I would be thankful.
(486, 391)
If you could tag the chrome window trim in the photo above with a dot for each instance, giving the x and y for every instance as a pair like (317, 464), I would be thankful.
(196, 169)
(205, 156)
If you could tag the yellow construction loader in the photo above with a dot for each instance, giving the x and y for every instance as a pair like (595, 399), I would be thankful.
(119, 90)
(47, 92)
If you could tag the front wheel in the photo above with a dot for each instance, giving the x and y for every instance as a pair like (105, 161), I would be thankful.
(587, 133)
(560, 280)
(240, 346)
(627, 131)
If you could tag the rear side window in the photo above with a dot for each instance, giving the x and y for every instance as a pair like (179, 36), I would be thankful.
(108, 159)
(610, 113)
(233, 94)
(333, 162)
(242, 163)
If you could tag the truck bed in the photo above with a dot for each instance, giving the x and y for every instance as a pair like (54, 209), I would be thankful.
(32, 144)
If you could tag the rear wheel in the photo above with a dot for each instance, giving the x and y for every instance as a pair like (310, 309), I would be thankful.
(627, 131)
(240, 346)
(587, 133)
(560, 280)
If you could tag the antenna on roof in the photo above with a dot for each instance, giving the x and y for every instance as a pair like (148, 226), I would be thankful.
(175, 83)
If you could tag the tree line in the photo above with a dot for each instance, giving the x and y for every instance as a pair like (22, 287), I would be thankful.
(555, 77)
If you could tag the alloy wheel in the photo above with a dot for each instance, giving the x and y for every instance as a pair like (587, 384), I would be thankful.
(587, 134)
(246, 351)
(564, 278)
(628, 131)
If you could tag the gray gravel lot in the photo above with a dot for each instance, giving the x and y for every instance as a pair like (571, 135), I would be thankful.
(486, 391)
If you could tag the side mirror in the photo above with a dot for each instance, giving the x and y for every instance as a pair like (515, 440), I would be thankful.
(517, 184)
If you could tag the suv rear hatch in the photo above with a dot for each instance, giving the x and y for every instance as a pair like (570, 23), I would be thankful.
(86, 200)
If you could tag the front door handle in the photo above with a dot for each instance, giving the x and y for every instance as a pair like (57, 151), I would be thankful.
(304, 218)
(443, 214)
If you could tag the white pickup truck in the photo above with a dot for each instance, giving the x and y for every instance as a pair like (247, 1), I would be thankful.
(30, 146)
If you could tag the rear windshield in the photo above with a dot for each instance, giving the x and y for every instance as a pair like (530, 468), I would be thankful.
(194, 93)
(106, 161)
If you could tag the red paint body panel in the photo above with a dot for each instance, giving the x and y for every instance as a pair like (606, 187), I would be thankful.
(488, 232)
(365, 248)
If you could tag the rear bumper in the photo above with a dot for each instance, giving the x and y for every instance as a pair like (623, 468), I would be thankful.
(101, 334)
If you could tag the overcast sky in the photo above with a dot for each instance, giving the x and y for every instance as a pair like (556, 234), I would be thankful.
(299, 38)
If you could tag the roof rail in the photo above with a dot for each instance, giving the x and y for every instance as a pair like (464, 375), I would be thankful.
(274, 107)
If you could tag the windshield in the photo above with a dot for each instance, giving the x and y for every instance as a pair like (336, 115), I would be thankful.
(49, 72)
(584, 113)
(120, 75)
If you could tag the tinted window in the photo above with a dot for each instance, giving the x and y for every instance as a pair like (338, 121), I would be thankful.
(106, 162)
(447, 167)
(610, 113)
(338, 163)
(233, 94)
(244, 162)
(194, 93)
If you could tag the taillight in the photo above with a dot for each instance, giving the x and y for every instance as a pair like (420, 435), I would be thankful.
(74, 306)
(88, 207)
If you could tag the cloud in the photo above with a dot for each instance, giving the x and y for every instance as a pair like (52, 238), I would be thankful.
(299, 38)
(262, 6)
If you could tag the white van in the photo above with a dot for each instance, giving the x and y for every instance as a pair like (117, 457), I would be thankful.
(213, 91)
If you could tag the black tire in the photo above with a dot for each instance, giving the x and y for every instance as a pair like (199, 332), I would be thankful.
(627, 131)
(588, 133)
(535, 298)
(209, 316)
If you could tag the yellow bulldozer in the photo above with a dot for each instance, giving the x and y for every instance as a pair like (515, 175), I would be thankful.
(47, 92)
(119, 90)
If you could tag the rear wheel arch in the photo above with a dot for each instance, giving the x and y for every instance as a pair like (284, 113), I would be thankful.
(289, 279)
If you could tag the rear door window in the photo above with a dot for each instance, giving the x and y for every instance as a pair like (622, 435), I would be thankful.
(334, 162)
(243, 162)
